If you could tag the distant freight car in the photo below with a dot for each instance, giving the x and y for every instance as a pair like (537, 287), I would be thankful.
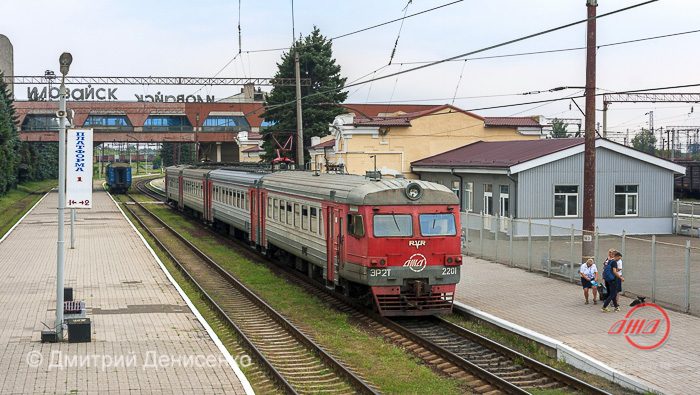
(118, 177)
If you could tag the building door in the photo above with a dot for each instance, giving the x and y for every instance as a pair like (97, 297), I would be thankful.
(488, 205)
(504, 207)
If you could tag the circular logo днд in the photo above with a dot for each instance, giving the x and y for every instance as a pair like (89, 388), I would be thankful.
(417, 262)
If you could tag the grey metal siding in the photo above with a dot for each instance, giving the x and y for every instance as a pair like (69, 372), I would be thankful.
(496, 180)
(536, 186)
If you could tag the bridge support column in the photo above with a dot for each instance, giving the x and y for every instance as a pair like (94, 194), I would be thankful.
(218, 152)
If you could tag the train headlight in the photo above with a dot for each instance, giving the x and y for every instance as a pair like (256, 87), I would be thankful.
(413, 191)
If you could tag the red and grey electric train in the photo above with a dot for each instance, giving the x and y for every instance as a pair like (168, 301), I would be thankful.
(395, 241)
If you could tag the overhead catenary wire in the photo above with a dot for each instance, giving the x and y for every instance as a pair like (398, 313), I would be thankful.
(488, 48)
(561, 49)
(396, 43)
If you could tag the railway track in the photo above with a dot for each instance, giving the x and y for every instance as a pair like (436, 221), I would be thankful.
(291, 360)
(485, 365)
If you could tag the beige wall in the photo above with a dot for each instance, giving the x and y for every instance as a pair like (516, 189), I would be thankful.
(427, 136)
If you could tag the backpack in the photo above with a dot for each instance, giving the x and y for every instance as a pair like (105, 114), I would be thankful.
(608, 274)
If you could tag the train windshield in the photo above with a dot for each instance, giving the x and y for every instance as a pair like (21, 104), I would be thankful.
(437, 225)
(393, 225)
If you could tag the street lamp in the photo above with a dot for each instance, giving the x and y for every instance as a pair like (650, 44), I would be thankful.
(64, 60)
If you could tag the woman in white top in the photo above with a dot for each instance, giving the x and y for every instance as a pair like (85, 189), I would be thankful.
(589, 273)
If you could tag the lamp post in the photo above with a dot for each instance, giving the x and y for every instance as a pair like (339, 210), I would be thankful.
(64, 60)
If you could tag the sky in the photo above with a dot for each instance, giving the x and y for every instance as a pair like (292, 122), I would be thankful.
(188, 38)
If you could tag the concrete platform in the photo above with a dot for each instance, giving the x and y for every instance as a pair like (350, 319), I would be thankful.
(553, 312)
(145, 337)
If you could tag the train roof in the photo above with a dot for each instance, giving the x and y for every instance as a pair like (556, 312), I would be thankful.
(175, 169)
(195, 172)
(356, 190)
(118, 164)
(235, 176)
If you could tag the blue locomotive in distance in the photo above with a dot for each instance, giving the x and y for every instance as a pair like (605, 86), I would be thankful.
(118, 177)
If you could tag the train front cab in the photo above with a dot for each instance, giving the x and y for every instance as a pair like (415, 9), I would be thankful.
(409, 256)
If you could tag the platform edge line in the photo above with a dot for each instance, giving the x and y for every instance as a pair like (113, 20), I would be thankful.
(25, 214)
(220, 345)
(565, 352)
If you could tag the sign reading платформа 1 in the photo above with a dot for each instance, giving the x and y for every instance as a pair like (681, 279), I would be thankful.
(79, 168)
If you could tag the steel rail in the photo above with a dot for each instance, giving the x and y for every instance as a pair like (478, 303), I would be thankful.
(531, 363)
(357, 383)
(247, 342)
(457, 360)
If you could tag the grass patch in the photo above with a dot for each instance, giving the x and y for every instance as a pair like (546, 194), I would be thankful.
(533, 350)
(15, 203)
(383, 364)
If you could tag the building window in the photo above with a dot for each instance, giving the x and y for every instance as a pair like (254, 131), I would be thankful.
(468, 196)
(566, 200)
(455, 187)
(167, 123)
(488, 199)
(40, 122)
(108, 121)
(225, 123)
(626, 198)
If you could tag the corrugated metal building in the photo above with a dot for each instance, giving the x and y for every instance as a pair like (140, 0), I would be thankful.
(542, 180)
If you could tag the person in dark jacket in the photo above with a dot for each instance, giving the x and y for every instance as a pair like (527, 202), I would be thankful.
(612, 281)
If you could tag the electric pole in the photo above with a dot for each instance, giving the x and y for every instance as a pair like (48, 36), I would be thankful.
(300, 130)
(589, 151)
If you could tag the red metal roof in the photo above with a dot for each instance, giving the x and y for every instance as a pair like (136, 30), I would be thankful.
(405, 119)
(325, 144)
(511, 122)
(497, 153)
(373, 110)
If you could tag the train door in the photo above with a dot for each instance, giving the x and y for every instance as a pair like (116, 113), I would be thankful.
(334, 241)
(180, 200)
(260, 220)
(254, 208)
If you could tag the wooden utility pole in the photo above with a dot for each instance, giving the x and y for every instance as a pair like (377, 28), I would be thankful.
(589, 152)
(300, 130)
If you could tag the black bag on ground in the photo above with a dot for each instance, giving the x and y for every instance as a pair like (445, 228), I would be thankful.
(602, 292)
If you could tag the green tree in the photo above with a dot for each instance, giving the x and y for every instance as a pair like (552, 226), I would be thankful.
(177, 154)
(316, 62)
(645, 141)
(9, 140)
(559, 129)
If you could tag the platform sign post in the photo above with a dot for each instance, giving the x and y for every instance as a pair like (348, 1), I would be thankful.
(79, 168)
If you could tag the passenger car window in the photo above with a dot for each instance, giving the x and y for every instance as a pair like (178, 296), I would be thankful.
(437, 225)
(393, 225)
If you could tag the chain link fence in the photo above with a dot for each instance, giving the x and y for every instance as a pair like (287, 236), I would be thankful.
(665, 273)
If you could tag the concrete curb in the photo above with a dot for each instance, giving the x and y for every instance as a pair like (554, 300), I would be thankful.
(232, 363)
(565, 352)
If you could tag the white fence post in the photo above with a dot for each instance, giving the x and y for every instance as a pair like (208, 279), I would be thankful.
(529, 244)
(549, 248)
(624, 239)
(573, 258)
(510, 247)
(687, 276)
(596, 233)
(653, 268)
(677, 224)
(498, 230)
(481, 237)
